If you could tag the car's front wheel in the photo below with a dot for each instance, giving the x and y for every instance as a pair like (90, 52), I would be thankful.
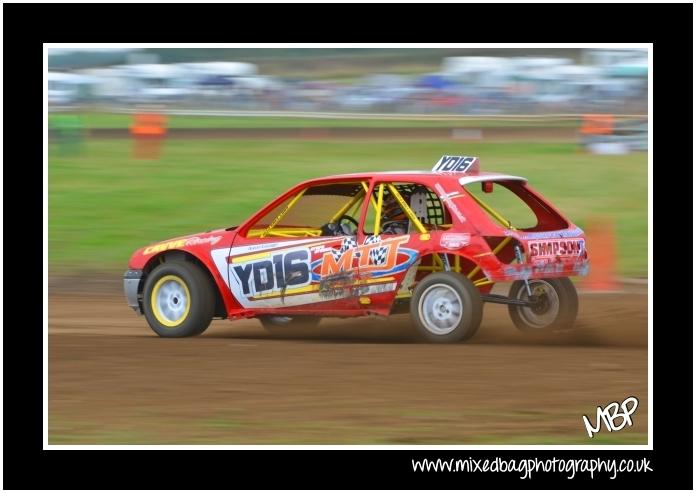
(178, 300)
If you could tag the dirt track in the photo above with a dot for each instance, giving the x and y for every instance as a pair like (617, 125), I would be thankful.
(111, 380)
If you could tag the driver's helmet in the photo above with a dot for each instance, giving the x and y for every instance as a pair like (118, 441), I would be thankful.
(394, 219)
(392, 211)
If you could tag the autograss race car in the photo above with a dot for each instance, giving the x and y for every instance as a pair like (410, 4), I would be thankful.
(426, 242)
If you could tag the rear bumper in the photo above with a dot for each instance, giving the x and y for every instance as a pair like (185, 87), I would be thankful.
(131, 286)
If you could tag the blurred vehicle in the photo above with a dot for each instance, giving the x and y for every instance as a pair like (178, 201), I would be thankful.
(371, 244)
(605, 80)
(623, 137)
(154, 83)
(66, 89)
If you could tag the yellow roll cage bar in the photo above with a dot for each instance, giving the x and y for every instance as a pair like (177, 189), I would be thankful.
(377, 203)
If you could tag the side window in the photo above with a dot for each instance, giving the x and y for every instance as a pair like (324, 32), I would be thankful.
(502, 205)
(319, 210)
(399, 204)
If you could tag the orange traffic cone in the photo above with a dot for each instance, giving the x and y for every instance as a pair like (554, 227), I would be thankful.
(601, 247)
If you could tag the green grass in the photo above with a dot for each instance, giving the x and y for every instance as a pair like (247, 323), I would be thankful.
(103, 204)
(99, 120)
(220, 430)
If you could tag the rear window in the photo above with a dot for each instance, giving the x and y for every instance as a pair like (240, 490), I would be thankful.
(510, 204)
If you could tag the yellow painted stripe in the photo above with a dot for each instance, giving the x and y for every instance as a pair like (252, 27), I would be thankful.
(253, 256)
(375, 280)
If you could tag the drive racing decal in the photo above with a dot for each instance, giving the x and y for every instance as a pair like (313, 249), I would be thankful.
(169, 245)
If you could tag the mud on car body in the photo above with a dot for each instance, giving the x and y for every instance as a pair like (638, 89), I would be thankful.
(430, 243)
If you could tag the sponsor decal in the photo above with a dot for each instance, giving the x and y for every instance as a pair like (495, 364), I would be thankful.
(579, 267)
(456, 164)
(571, 247)
(212, 240)
(374, 289)
(170, 245)
(287, 276)
(167, 245)
(320, 249)
(447, 199)
(376, 257)
(453, 241)
(541, 235)
(271, 272)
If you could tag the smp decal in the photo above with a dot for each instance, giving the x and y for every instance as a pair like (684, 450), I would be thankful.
(376, 257)
(571, 247)
(271, 272)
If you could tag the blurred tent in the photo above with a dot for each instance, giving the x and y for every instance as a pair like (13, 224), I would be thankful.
(66, 88)
(217, 81)
(635, 69)
(435, 81)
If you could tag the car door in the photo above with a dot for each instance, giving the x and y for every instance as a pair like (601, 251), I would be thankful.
(388, 247)
(298, 256)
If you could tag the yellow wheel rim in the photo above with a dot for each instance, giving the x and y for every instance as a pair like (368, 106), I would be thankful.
(170, 301)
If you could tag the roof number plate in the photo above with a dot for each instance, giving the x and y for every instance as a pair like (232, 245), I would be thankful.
(457, 164)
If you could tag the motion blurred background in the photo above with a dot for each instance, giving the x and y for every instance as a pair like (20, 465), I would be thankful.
(240, 125)
(147, 144)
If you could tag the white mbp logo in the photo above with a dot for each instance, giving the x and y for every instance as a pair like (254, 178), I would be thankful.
(610, 413)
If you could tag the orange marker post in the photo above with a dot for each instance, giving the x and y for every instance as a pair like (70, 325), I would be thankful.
(148, 130)
(601, 247)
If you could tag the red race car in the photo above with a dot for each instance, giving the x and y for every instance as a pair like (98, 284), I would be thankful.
(426, 242)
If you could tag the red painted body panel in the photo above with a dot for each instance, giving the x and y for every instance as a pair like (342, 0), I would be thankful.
(553, 248)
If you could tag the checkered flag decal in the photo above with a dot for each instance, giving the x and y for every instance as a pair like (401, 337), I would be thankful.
(347, 244)
(372, 239)
(378, 255)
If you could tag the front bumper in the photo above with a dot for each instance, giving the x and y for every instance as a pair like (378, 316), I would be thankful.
(131, 285)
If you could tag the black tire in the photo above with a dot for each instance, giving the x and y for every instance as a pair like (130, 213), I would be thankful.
(434, 308)
(281, 325)
(161, 304)
(557, 310)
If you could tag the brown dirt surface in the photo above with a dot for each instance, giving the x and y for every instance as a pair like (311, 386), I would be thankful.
(351, 381)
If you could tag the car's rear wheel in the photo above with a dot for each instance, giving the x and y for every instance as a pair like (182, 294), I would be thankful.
(446, 307)
(554, 307)
(178, 300)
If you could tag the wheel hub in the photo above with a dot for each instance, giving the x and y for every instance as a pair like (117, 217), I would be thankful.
(544, 304)
(440, 309)
(171, 301)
